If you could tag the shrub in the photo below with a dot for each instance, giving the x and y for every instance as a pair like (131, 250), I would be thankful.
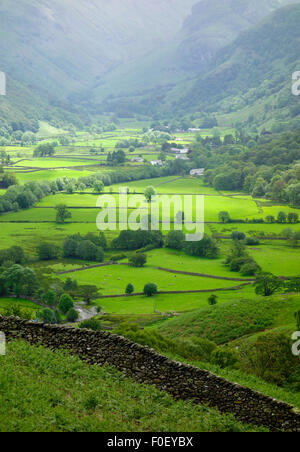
(224, 357)
(72, 315)
(236, 235)
(150, 289)
(213, 300)
(91, 324)
(65, 303)
(129, 289)
(269, 357)
(250, 269)
(175, 240)
(47, 316)
(138, 260)
(252, 241)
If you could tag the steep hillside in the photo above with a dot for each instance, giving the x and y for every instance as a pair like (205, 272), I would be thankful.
(256, 67)
(158, 80)
(62, 46)
(213, 24)
(42, 391)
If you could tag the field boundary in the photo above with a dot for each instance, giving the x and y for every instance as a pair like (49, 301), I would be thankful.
(145, 365)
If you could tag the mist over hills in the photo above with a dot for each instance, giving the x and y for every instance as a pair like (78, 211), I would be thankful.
(74, 58)
(256, 68)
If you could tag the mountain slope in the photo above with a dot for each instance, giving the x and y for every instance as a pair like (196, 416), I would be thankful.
(62, 46)
(256, 68)
(213, 24)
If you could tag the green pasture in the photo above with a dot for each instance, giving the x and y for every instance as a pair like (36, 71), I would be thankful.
(180, 261)
(169, 303)
(268, 230)
(50, 175)
(54, 163)
(278, 259)
(113, 280)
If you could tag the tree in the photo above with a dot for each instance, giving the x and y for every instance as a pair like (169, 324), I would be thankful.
(213, 300)
(224, 217)
(49, 298)
(47, 316)
(150, 289)
(47, 251)
(91, 324)
(65, 303)
(267, 284)
(175, 240)
(206, 247)
(129, 289)
(149, 193)
(62, 213)
(72, 315)
(138, 260)
(20, 280)
(281, 217)
(70, 285)
(98, 186)
(44, 150)
(269, 357)
(293, 284)
(236, 235)
(293, 218)
(89, 293)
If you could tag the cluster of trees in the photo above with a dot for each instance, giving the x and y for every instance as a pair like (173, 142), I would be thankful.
(25, 196)
(12, 255)
(134, 240)
(239, 260)
(89, 247)
(131, 143)
(207, 247)
(266, 165)
(44, 150)
(116, 158)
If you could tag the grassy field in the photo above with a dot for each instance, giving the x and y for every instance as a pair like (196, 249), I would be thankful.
(113, 280)
(43, 391)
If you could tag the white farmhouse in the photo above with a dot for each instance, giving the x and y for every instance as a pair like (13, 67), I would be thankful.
(156, 163)
(197, 172)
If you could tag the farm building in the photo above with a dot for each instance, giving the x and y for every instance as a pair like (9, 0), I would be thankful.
(180, 151)
(197, 172)
(156, 163)
(137, 160)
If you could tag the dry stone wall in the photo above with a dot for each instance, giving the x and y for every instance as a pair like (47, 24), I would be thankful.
(146, 365)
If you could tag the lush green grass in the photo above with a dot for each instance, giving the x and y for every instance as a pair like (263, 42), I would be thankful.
(267, 230)
(168, 303)
(113, 280)
(280, 260)
(55, 162)
(225, 323)
(43, 391)
(50, 175)
(170, 185)
(177, 260)
(7, 302)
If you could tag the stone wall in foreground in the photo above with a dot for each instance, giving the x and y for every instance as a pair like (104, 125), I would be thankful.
(146, 365)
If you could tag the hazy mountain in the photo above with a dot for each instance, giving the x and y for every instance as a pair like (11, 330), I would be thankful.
(62, 46)
(255, 69)
(213, 24)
